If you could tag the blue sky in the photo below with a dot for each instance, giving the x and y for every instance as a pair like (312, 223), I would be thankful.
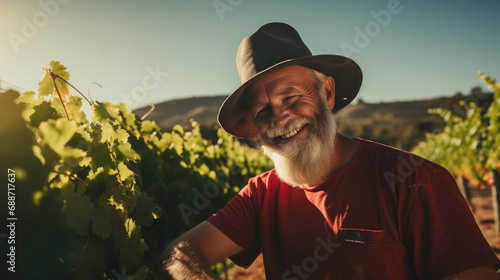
(177, 49)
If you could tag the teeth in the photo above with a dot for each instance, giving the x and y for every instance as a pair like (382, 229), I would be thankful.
(291, 133)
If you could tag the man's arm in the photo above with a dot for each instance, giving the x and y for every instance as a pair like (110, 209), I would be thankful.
(486, 272)
(191, 255)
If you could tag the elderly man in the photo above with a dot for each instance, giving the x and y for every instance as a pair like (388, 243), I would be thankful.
(333, 207)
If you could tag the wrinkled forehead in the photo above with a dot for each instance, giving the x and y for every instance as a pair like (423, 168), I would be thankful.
(277, 82)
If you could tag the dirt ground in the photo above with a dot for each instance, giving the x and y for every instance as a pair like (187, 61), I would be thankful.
(481, 206)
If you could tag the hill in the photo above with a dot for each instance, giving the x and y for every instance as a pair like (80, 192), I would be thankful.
(398, 114)
(204, 110)
(180, 111)
(401, 124)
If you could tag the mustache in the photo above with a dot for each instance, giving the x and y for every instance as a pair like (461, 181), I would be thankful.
(317, 125)
(296, 124)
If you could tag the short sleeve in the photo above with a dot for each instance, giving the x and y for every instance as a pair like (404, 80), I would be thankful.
(238, 221)
(441, 231)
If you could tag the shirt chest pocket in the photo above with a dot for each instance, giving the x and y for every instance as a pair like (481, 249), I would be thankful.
(363, 254)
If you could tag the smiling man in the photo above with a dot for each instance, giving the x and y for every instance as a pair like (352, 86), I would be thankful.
(333, 207)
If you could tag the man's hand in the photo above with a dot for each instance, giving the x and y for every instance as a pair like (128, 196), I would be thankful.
(191, 255)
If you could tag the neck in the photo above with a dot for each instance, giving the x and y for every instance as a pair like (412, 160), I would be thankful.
(346, 150)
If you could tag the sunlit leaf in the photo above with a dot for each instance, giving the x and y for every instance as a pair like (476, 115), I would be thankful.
(43, 112)
(126, 151)
(46, 85)
(105, 112)
(57, 133)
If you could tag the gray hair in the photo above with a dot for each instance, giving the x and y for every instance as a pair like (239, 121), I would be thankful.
(319, 79)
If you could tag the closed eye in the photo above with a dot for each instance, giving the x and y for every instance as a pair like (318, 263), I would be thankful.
(288, 98)
(259, 112)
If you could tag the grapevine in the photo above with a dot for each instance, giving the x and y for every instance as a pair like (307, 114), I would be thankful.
(470, 146)
(109, 189)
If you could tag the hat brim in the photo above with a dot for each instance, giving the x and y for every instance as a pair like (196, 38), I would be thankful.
(235, 119)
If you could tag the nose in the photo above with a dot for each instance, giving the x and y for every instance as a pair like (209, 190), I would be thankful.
(280, 117)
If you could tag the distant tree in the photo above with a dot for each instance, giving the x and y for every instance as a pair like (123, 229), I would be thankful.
(415, 133)
(476, 96)
(365, 130)
(209, 131)
(385, 134)
(346, 129)
(453, 104)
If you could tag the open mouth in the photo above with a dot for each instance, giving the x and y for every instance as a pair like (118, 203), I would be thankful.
(292, 133)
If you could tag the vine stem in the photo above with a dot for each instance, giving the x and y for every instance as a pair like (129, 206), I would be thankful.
(133, 101)
(148, 112)
(89, 90)
(53, 77)
(70, 176)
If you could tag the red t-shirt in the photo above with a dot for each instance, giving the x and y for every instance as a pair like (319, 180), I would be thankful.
(388, 214)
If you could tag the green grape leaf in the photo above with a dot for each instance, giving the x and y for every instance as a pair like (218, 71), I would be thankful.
(43, 112)
(132, 249)
(46, 85)
(163, 143)
(84, 134)
(57, 133)
(177, 129)
(74, 106)
(177, 144)
(117, 202)
(78, 211)
(129, 120)
(123, 200)
(108, 132)
(87, 258)
(104, 112)
(71, 158)
(114, 175)
(37, 151)
(124, 172)
(130, 227)
(146, 210)
(81, 139)
(121, 135)
(114, 218)
(28, 97)
(27, 112)
(142, 273)
(148, 127)
(100, 226)
(100, 156)
(125, 150)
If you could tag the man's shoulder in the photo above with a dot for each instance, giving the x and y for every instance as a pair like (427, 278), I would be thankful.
(403, 171)
(376, 146)
(391, 156)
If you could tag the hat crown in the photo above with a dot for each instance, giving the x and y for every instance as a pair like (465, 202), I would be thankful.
(273, 46)
(269, 45)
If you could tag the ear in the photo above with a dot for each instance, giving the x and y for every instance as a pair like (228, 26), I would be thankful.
(329, 93)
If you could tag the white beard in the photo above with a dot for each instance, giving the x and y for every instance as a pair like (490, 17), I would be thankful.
(307, 162)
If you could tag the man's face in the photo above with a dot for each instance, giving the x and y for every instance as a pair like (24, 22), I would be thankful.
(279, 99)
(296, 127)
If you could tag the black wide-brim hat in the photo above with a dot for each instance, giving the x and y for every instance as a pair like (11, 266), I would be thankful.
(274, 46)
